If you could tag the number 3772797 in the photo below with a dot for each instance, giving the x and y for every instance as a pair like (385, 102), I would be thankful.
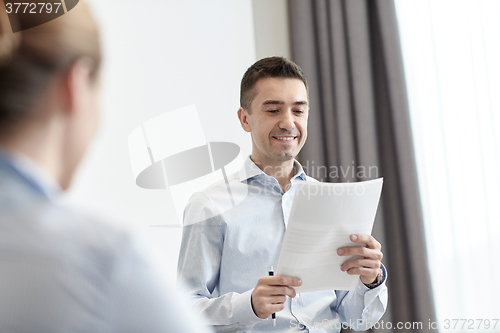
(32, 8)
(470, 324)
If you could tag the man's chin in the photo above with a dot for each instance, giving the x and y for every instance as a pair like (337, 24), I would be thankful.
(283, 157)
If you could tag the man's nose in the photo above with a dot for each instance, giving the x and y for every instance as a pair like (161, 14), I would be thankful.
(287, 121)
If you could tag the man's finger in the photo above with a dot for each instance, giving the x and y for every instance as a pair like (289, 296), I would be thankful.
(363, 271)
(274, 299)
(281, 280)
(282, 291)
(275, 307)
(360, 262)
(367, 239)
(360, 251)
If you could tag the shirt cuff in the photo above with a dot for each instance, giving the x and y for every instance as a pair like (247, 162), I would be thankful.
(361, 288)
(243, 310)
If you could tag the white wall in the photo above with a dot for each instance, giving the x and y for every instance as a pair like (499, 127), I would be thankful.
(272, 37)
(161, 55)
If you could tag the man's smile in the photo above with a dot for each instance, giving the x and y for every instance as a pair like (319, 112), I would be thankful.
(285, 138)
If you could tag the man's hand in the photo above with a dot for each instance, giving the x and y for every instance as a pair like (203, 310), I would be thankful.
(366, 267)
(269, 295)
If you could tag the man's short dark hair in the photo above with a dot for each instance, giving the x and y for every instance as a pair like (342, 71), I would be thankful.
(267, 68)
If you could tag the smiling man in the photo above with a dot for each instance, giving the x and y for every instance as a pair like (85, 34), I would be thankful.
(226, 254)
(278, 125)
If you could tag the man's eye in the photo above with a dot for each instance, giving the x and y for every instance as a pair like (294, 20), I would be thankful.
(272, 111)
(298, 111)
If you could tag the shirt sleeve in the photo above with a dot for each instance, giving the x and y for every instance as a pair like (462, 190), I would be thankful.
(142, 298)
(199, 268)
(362, 307)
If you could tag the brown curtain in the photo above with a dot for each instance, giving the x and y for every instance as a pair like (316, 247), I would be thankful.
(359, 129)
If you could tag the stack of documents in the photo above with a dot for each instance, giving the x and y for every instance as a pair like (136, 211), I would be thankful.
(322, 218)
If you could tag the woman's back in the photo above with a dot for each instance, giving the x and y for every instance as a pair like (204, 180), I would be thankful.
(61, 270)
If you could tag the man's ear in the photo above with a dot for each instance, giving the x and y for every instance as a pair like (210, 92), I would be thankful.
(243, 116)
(76, 84)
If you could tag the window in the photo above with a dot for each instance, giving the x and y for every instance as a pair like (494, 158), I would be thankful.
(451, 52)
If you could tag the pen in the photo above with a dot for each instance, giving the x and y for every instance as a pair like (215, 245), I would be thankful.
(273, 316)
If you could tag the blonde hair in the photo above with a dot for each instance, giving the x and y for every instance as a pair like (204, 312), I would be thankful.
(31, 57)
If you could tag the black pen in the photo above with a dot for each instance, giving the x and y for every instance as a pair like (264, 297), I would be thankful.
(273, 316)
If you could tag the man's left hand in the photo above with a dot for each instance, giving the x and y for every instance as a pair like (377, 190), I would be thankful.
(366, 267)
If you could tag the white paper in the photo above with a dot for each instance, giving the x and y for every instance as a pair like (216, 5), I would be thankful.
(323, 217)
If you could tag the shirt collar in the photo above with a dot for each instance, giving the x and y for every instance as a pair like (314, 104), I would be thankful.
(33, 174)
(250, 170)
(299, 171)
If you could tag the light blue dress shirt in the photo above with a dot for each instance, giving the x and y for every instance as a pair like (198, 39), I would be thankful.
(62, 271)
(225, 251)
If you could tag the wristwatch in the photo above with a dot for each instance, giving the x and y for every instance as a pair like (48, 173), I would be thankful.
(378, 280)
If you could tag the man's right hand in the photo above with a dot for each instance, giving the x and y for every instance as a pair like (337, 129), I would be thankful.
(269, 295)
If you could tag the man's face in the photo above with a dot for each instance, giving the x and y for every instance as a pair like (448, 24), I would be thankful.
(277, 120)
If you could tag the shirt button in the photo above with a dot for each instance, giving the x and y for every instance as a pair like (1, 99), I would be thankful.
(297, 295)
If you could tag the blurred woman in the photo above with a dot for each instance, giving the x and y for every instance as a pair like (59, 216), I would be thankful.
(61, 271)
